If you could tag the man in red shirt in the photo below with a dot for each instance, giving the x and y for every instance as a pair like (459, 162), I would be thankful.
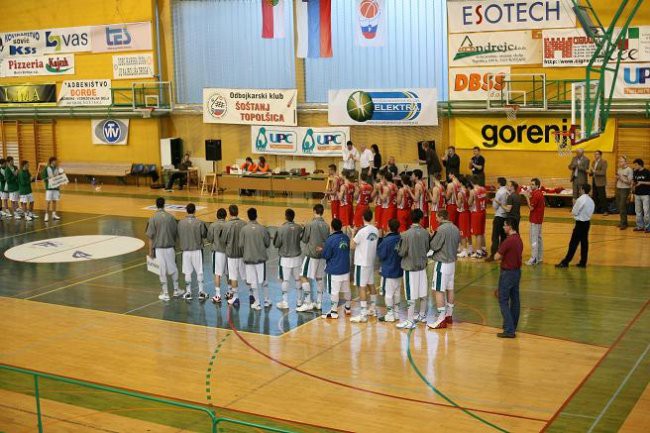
(536, 204)
(510, 255)
(477, 203)
(334, 183)
(346, 211)
(364, 194)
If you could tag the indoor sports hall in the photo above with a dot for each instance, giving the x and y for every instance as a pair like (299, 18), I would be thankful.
(324, 216)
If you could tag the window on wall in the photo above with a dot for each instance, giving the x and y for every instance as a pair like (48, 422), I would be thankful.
(218, 43)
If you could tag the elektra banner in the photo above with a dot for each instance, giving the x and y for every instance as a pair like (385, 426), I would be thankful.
(42, 65)
(110, 131)
(494, 15)
(250, 106)
(476, 84)
(527, 133)
(299, 141)
(75, 93)
(632, 81)
(493, 49)
(394, 107)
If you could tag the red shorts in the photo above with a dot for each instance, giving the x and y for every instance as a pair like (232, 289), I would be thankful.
(387, 214)
(335, 205)
(345, 214)
(452, 210)
(464, 225)
(404, 218)
(478, 223)
(379, 211)
(358, 214)
(433, 221)
(424, 222)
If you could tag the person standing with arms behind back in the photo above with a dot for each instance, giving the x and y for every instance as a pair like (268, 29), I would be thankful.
(536, 204)
(218, 252)
(191, 232)
(162, 230)
(579, 166)
(582, 212)
(451, 161)
(624, 179)
(510, 256)
(598, 175)
(477, 165)
(314, 235)
(641, 196)
(432, 162)
(52, 195)
(500, 214)
(254, 239)
(287, 241)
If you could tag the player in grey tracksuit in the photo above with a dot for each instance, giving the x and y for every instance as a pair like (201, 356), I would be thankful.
(254, 239)
(218, 252)
(314, 235)
(229, 237)
(191, 233)
(287, 241)
(162, 229)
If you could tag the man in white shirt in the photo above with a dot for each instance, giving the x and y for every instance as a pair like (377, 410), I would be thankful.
(364, 245)
(365, 160)
(582, 211)
(350, 157)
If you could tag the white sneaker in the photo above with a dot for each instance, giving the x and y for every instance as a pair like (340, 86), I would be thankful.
(267, 303)
(440, 323)
(531, 262)
(389, 317)
(299, 302)
(163, 297)
(317, 306)
(419, 318)
(305, 307)
(233, 301)
(33, 215)
(256, 306)
(462, 254)
(17, 216)
(46, 218)
(28, 218)
(372, 311)
(348, 310)
(178, 293)
(361, 318)
(55, 216)
(282, 305)
(203, 296)
(330, 315)
(187, 296)
(406, 325)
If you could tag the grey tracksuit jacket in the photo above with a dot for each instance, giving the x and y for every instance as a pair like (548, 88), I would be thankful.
(413, 248)
(230, 237)
(314, 235)
(214, 236)
(254, 239)
(444, 243)
(162, 229)
(287, 239)
(191, 232)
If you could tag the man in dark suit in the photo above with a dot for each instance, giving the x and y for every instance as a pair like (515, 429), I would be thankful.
(579, 167)
(451, 161)
(598, 175)
(433, 163)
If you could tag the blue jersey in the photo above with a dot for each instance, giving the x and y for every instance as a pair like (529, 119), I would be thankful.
(390, 260)
(336, 253)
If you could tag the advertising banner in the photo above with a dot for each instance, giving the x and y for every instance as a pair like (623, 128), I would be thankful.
(528, 133)
(22, 43)
(47, 41)
(370, 23)
(110, 131)
(67, 40)
(17, 94)
(49, 64)
(467, 84)
(250, 106)
(494, 15)
(499, 48)
(76, 93)
(394, 107)
(133, 66)
(58, 180)
(299, 141)
(632, 81)
(122, 37)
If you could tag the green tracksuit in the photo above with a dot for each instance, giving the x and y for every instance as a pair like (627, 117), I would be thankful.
(11, 179)
(24, 182)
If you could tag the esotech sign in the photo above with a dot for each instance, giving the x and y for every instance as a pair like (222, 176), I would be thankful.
(477, 16)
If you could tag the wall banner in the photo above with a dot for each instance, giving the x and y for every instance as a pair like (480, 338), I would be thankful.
(27, 94)
(133, 66)
(526, 133)
(250, 106)
(48, 41)
(491, 49)
(299, 141)
(76, 93)
(22, 43)
(49, 64)
(110, 131)
(493, 15)
(370, 24)
(632, 81)
(122, 37)
(394, 107)
(67, 40)
(475, 84)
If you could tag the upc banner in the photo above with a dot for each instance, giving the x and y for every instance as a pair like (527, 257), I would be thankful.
(526, 133)
(250, 106)
(632, 81)
(393, 107)
(299, 141)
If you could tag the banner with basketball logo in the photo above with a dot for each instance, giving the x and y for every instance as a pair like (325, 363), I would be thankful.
(393, 107)
(299, 141)
(370, 23)
(250, 106)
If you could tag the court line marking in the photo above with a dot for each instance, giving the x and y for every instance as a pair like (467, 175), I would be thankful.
(54, 226)
(208, 372)
(619, 389)
(595, 367)
(110, 238)
(143, 307)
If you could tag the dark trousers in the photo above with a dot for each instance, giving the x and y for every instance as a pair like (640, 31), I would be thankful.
(579, 236)
(481, 178)
(509, 299)
(622, 197)
(498, 234)
(600, 198)
(182, 179)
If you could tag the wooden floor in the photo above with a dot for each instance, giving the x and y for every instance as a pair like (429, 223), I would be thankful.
(579, 363)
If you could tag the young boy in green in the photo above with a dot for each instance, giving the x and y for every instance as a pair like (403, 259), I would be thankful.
(25, 190)
(11, 185)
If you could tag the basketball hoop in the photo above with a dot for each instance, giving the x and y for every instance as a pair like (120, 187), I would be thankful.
(565, 140)
(145, 112)
(511, 111)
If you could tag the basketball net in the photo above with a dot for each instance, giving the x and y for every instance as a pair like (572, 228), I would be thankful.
(511, 111)
(565, 140)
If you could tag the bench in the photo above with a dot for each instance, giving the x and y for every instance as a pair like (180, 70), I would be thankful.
(119, 170)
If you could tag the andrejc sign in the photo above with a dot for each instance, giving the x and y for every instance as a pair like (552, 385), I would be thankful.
(18, 94)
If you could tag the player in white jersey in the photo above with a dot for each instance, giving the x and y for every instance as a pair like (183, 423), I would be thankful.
(364, 245)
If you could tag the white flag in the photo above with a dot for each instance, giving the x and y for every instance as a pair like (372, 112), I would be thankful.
(370, 23)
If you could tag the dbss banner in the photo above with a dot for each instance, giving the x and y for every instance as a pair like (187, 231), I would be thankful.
(299, 141)
(398, 107)
(250, 106)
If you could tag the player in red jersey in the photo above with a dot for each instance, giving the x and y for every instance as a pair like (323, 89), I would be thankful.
(437, 197)
(363, 194)
(334, 182)
(376, 197)
(404, 204)
(462, 203)
(453, 186)
(420, 196)
(477, 202)
(389, 200)
(346, 195)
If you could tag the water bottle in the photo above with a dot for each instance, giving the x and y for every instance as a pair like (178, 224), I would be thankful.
(93, 182)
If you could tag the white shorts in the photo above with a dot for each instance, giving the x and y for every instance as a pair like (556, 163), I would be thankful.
(192, 261)
(415, 284)
(219, 263)
(443, 276)
(256, 275)
(52, 195)
(337, 283)
(167, 260)
(289, 268)
(236, 269)
(390, 286)
(14, 196)
(28, 198)
(313, 268)
(4, 195)
(364, 275)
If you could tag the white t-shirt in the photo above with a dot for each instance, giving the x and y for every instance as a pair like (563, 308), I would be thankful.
(348, 163)
(366, 158)
(366, 245)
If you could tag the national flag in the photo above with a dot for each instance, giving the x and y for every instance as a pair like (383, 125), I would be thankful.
(370, 23)
(273, 19)
(314, 25)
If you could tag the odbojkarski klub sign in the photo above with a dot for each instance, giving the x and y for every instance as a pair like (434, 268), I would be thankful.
(250, 106)
(17, 94)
